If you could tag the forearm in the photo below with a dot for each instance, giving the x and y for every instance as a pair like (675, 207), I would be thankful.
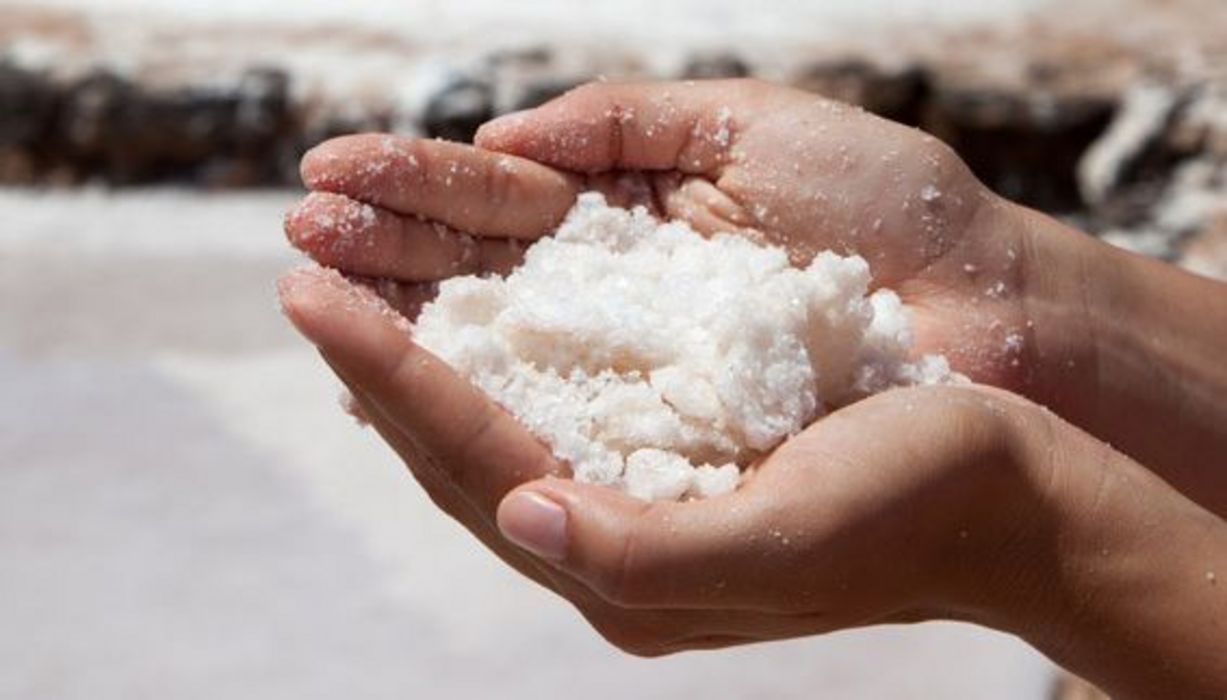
(1132, 350)
(1135, 592)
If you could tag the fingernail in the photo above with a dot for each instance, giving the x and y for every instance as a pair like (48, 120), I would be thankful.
(535, 523)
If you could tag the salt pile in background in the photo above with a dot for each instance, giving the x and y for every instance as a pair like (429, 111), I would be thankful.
(660, 362)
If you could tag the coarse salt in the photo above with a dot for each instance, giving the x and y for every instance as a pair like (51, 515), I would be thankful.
(663, 363)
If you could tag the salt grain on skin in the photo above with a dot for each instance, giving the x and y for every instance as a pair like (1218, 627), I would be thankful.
(660, 362)
(723, 137)
(1013, 342)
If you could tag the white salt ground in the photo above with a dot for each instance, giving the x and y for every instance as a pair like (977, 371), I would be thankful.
(663, 363)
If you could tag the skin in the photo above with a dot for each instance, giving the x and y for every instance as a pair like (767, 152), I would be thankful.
(965, 503)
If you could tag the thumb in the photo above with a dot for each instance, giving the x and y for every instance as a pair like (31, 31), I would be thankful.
(639, 554)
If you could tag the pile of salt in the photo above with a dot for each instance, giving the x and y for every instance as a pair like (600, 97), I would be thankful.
(661, 362)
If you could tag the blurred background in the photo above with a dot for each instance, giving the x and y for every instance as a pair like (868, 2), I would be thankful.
(185, 512)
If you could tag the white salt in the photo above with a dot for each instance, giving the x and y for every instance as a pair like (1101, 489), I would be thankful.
(723, 135)
(663, 363)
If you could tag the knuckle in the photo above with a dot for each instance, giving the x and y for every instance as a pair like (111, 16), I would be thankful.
(628, 579)
(406, 371)
(945, 160)
(475, 448)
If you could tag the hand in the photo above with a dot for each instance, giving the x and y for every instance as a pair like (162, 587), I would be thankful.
(776, 164)
(1039, 566)
(938, 502)
(439, 209)
(809, 174)
(1125, 347)
(835, 530)
(1110, 341)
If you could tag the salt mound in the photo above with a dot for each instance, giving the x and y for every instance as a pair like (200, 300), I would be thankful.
(661, 362)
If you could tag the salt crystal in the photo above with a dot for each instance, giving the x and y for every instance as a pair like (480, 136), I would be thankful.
(390, 146)
(660, 362)
(657, 475)
(711, 481)
(723, 135)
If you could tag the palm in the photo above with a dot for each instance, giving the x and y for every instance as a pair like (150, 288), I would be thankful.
(904, 202)
(809, 174)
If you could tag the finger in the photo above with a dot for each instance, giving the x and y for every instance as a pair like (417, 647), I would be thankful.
(480, 447)
(812, 531)
(442, 492)
(337, 231)
(646, 631)
(698, 202)
(406, 298)
(466, 188)
(636, 554)
(641, 631)
(626, 189)
(434, 484)
(691, 127)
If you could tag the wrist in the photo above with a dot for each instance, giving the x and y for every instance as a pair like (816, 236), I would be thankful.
(1127, 348)
(1062, 272)
(1116, 575)
(997, 567)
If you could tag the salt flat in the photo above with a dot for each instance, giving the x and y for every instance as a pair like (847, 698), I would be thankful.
(397, 53)
(446, 21)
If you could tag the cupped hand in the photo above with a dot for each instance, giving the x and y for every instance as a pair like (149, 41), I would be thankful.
(780, 165)
(810, 174)
(888, 510)
(950, 502)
